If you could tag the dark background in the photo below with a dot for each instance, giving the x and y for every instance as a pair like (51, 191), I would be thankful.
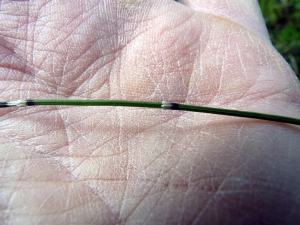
(283, 22)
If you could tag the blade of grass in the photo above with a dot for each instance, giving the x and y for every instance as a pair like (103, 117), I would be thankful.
(163, 105)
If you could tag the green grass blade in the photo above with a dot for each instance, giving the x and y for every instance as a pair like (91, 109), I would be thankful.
(167, 105)
(237, 113)
(75, 102)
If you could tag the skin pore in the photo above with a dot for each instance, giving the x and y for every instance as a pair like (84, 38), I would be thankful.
(104, 165)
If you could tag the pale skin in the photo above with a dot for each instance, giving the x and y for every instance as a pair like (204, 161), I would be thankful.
(114, 165)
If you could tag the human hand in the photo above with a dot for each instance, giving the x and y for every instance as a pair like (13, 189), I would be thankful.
(110, 165)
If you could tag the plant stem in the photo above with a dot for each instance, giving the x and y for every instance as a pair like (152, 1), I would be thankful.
(163, 105)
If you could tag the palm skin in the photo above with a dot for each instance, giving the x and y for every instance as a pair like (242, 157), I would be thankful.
(114, 165)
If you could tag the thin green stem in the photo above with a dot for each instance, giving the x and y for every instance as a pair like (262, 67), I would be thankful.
(237, 113)
(75, 102)
(163, 105)
(172, 106)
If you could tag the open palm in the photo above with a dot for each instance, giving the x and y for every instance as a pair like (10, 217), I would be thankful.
(114, 165)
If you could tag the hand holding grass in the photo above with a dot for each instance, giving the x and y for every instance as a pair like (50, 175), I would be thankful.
(122, 165)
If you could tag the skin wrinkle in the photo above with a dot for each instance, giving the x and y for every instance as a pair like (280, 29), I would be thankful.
(189, 184)
(161, 78)
(193, 68)
(245, 94)
(192, 71)
(165, 189)
(80, 23)
(198, 217)
(261, 95)
(96, 192)
(128, 216)
(149, 76)
(190, 77)
(67, 137)
(108, 77)
(241, 60)
(279, 96)
(138, 133)
(29, 58)
(60, 175)
(15, 68)
(90, 131)
(135, 208)
(130, 37)
(72, 125)
(126, 166)
(9, 200)
(81, 82)
(143, 172)
(227, 11)
(80, 205)
(191, 87)
(155, 205)
(166, 153)
(99, 197)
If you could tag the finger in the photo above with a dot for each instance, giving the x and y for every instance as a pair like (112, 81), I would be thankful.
(246, 13)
